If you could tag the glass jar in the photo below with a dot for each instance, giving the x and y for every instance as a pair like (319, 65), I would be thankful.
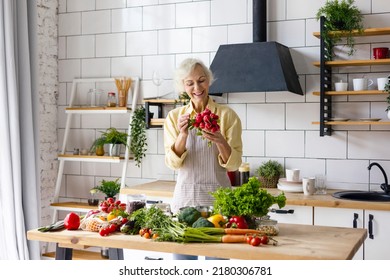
(135, 202)
(269, 226)
(111, 99)
(244, 173)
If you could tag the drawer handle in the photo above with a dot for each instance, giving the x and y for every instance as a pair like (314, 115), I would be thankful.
(279, 211)
(355, 217)
(370, 226)
(153, 259)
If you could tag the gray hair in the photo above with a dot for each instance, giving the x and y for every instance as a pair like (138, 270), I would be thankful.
(185, 69)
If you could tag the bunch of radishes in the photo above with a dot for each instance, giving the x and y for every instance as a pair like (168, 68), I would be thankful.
(205, 120)
(110, 204)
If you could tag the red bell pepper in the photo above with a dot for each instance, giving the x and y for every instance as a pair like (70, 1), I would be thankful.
(72, 221)
(237, 222)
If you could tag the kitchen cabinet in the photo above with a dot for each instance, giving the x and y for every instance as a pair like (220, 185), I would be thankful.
(326, 92)
(377, 245)
(293, 214)
(336, 217)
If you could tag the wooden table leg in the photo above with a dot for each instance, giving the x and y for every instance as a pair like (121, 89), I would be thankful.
(115, 254)
(63, 253)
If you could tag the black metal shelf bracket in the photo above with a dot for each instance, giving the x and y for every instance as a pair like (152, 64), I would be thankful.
(148, 115)
(325, 83)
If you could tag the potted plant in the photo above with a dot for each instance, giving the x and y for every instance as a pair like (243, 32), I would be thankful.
(344, 16)
(183, 99)
(109, 188)
(98, 146)
(269, 173)
(138, 137)
(115, 138)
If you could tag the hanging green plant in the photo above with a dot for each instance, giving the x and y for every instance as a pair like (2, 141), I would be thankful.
(138, 144)
(341, 16)
(387, 89)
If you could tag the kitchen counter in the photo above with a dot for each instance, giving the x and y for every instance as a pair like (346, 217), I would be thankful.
(295, 242)
(163, 189)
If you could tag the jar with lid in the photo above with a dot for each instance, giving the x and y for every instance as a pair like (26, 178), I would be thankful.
(111, 99)
(267, 225)
(244, 173)
(135, 202)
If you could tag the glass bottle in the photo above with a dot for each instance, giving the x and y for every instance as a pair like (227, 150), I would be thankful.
(111, 99)
(244, 173)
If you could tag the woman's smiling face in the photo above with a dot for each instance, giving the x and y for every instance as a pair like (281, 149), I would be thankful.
(196, 84)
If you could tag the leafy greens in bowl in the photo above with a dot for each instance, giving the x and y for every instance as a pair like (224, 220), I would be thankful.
(247, 200)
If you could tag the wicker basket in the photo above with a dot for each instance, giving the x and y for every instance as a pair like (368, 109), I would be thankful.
(269, 182)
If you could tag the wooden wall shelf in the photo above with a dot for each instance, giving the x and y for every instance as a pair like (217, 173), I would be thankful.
(345, 63)
(366, 32)
(357, 122)
(357, 92)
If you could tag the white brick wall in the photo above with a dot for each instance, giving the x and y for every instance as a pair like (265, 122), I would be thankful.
(116, 38)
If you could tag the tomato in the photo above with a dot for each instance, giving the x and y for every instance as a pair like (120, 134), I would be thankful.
(112, 228)
(72, 221)
(155, 235)
(146, 235)
(264, 239)
(255, 241)
(249, 239)
(104, 231)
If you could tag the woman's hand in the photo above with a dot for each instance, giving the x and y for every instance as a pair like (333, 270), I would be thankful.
(223, 146)
(180, 144)
(182, 123)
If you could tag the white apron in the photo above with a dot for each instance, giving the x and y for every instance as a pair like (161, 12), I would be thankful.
(199, 175)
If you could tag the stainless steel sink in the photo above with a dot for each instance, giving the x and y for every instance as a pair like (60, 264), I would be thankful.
(362, 195)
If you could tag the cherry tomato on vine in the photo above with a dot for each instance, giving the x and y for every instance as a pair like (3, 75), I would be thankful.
(255, 241)
(249, 239)
(112, 228)
(264, 239)
(104, 231)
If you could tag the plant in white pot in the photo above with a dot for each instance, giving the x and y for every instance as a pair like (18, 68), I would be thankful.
(115, 138)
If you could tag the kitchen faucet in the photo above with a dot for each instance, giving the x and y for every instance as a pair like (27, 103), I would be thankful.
(385, 186)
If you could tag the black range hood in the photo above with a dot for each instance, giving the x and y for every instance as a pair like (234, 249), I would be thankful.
(257, 66)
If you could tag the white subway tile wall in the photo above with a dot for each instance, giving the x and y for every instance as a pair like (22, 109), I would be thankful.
(98, 38)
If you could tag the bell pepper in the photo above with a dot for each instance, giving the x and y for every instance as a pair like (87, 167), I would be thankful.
(218, 220)
(237, 222)
(72, 221)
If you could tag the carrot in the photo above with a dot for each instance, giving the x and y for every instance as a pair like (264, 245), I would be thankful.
(239, 231)
(233, 238)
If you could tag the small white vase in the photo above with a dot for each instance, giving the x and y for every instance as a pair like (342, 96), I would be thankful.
(388, 114)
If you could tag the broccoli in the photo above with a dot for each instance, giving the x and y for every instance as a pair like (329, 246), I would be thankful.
(188, 215)
(202, 222)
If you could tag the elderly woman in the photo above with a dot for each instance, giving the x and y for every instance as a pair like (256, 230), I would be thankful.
(201, 168)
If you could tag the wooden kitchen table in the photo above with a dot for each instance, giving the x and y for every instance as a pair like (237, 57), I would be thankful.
(295, 242)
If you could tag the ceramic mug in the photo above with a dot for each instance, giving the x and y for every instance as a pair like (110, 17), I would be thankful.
(308, 185)
(362, 83)
(340, 86)
(381, 83)
(380, 53)
(292, 175)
